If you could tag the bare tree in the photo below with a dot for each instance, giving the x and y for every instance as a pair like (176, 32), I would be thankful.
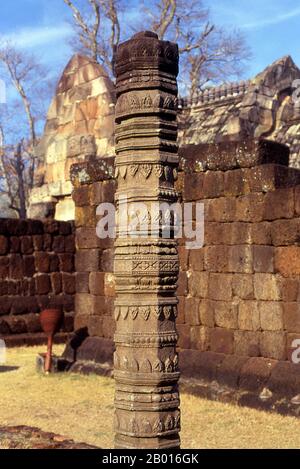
(208, 54)
(20, 68)
(97, 24)
(28, 82)
(15, 178)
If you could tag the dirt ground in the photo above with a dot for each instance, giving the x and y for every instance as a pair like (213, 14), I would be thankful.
(81, 408)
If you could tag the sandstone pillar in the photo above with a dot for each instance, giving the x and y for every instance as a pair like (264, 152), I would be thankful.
(146, 266)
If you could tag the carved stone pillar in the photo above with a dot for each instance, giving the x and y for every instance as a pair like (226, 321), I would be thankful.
(146, 266)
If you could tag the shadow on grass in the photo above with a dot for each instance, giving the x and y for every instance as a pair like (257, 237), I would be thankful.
(4, 369)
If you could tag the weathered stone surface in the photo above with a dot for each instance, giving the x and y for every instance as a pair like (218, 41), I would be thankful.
(291, 315)
(66, 262)
(263, 258)
(200, 338)
(56, 282)
(255, 373)
(43, 285)
(82, 282)
(79, 127)
(213, 184)
(15, 244)
(234, 183)
(279, 204)
(221, 210)
(184, 336)
(220, 286)
(240, 259)
(182, 283)
(103, 192)
(85, 216)
(287, 260)
(86, 238)
(192, 311)
(22, 437)
(271, 316)
(4, 267)
(242, 286)
(92, 171)
(246, 343)
(243, 152)
(267, 287)
(226, 314)
(146, 268)
(193, 259)
(273, 345)
(3, 245)
(68, 283)
(248, 316)
(58, 244)
(15, 266)
(262, 106)
(197, 284)
(285, 232)
(194, 188)
(216, 258)
(260, 233)
(206, 313)
(228, 373)
(87, 260)
(106, 261)
(250, 208)
(201, 365)
(31, 279)
(290, 289)
(285, 379)
(70, 244)
(42, 262)
(222, 341)
(26, 245)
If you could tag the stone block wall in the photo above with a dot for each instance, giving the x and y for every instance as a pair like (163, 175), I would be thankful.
(239, 294)
(94, 256)
(36, 272)
(261, 107)
(79, 126)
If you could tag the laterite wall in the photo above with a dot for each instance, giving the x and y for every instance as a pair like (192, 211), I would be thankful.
(239, 293)
(36, 271)
(94, 256)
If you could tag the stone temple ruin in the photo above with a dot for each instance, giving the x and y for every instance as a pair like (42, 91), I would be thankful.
(238, 296)
(80, 124)
(261, 107)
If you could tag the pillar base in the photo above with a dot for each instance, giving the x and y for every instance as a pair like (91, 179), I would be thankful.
(125, 442)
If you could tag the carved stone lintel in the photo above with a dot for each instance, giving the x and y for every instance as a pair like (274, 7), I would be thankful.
(146, 267)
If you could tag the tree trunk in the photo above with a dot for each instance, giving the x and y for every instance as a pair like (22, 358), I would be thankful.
(21, 186)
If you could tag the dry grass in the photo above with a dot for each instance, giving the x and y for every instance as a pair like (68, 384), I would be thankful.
(81, 408)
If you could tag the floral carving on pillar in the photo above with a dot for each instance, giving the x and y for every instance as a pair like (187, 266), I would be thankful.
(146, 267)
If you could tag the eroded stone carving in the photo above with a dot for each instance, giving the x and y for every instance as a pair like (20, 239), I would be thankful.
(146, 268)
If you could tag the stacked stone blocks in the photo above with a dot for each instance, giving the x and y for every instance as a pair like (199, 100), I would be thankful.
(36, 272)
(95, 284)
(239, 293)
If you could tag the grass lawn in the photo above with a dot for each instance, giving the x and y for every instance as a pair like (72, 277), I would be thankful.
(81, 408)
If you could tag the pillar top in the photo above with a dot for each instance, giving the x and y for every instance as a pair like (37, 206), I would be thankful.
(145, 34)
(146, 51)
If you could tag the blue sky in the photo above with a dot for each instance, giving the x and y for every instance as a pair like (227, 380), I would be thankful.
(271, 27)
